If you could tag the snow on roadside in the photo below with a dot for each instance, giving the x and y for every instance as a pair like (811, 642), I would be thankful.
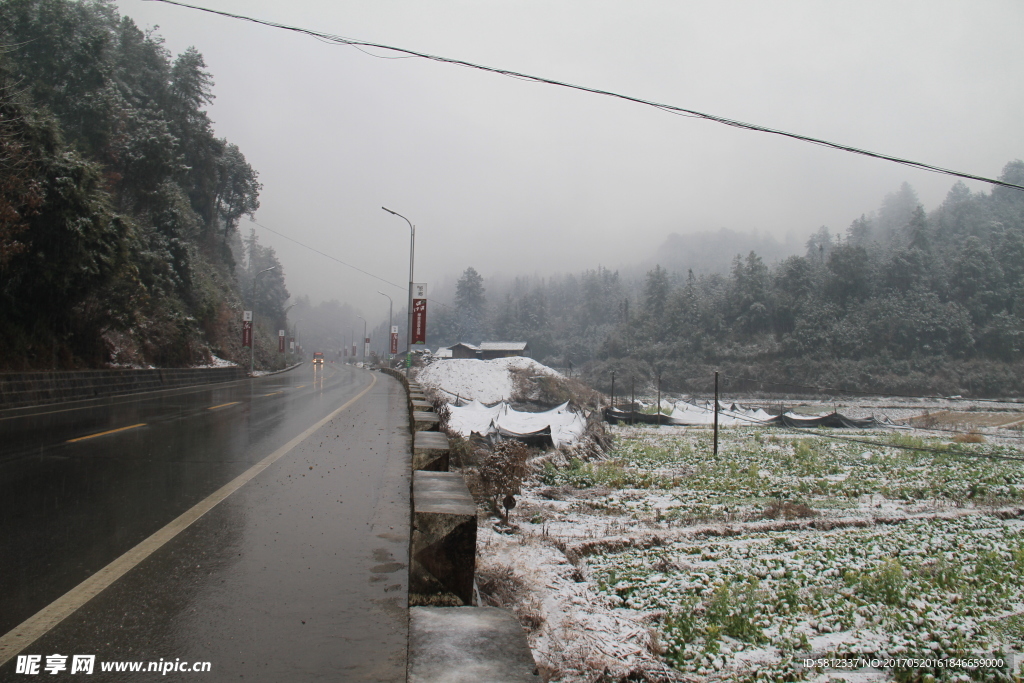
(579, 633)
(487, 381)
(217, 362)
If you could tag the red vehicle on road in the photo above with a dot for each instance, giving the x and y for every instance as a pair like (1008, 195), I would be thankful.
(318, 358)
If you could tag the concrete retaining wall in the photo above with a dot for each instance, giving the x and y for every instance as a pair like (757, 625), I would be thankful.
(443, 552)
(18, 389)
(457, 643)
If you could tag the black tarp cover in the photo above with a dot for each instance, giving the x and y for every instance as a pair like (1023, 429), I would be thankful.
(834, 420)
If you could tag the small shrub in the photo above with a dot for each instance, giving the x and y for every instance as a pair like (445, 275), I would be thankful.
(499, 586)
(907, 440)
(972, 436)
(734, 610)
(461, 451)
(502, 471)
(551, 389)
(784, 509)
(886, 584)
(444, 415)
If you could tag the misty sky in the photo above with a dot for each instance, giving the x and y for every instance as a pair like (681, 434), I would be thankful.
(519, 178)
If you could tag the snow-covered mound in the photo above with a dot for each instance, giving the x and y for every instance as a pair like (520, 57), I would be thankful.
(487, 381)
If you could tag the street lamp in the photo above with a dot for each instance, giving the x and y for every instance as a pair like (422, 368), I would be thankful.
(412, 252)
(391, 308)
(252, 355)
(364, 336)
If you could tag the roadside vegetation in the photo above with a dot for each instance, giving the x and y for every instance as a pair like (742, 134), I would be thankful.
(119, 206)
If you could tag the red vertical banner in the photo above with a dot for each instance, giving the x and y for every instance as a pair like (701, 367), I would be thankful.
(280, 341)
(354, 354)
(247, 333)
(394, 339)
(419, 321)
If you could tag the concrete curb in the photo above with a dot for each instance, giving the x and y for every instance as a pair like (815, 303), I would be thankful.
(452, 644)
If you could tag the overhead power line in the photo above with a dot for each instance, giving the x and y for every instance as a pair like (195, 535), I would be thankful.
(333, 258)
(404, 288)
(672, 109)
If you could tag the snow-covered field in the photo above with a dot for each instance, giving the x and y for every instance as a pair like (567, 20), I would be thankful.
(487, 381)
(665, 562)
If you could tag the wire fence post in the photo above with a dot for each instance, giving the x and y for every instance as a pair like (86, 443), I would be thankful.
(632, 401)
(716, 412)
(658, 423)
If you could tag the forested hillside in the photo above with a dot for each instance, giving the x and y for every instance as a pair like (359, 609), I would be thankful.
(119, 206)
(902, 301)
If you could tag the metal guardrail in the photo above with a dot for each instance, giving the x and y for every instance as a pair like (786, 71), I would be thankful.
(20, 389)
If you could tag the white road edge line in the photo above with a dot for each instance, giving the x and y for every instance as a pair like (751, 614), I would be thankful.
(30, 630)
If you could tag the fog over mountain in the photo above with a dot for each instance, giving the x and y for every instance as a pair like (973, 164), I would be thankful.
(710, 252)
(520, 178)
(179, 126)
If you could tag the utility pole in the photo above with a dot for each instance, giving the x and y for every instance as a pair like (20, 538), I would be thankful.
(391, 307)
(412, 252)
(632, 401)
(716, 412)
(363, 340)
(659, 399)
(613, 390)
(252, 354)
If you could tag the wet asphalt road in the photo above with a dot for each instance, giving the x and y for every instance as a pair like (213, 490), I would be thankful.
(299, 575)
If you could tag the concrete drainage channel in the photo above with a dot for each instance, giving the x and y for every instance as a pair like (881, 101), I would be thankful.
(450, 639)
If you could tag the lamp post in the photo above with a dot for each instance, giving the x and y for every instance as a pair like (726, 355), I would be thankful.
(391, 308)
(412, 252)
(363, 344)
(252, 354)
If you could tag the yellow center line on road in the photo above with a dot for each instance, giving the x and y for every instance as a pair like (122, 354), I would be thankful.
(26, 633)
(272, 393)
(111, 431)
(300, 386)
(223, 405)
